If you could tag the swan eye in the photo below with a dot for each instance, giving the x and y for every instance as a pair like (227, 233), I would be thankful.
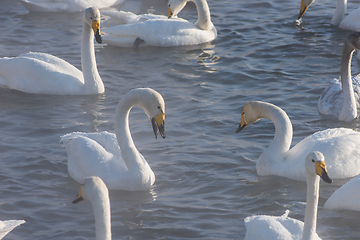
(312, 160)
(242, 113)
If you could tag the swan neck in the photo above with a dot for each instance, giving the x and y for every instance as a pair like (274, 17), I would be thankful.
(92, 80)
(349, 104)
(339, 12)
(122, 130)
(283, 130)
(312, 198)
(204, 19)
(101, 207)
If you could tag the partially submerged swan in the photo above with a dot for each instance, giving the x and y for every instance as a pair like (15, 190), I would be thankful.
(341, 97)
(153, 30)
(340, 146)
(95, 191)
(262, 227)
(114, 157)
(42, 73)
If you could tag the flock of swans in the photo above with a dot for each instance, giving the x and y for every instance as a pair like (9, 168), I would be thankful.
(102, 161)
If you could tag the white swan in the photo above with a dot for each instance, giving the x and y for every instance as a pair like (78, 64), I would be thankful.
(347, 197)
(95, 191)
(270, 227)
(350, 22)
(66, 5)
(152, 30)
(41, 73)
(339, 145)
(114, 158)
(341, 97)
(8, 225)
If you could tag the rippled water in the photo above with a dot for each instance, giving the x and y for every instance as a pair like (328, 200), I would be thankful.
(206, 182)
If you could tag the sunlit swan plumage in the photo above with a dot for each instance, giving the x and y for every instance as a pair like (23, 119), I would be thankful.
(269, 227)
(66, 5)
(8, 225)
(341, 97)
(350, 22)
(41, 73)
(114, 157)
(340, 146)
(347, 197)
(152, 30)
(95, 191)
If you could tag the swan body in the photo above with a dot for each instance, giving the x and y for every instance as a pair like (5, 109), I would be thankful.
(43, 73)
(350, 22)
(95, 191)
(346, 197)
(8, 225)
(66, 5)
(341, 97)
(152, 30)
(269, 227)
(114, 157)
(339, 145)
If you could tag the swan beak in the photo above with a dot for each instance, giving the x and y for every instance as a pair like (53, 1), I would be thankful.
(158, 123)
(242, 124)
(320, 168)
(79, 197)
(303, 9)
(169, 12)
(96, 28)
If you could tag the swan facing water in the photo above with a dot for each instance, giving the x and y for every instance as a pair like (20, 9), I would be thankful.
(350, 22)
(95, 191)
(153, 30)
(114, 157)
(269, 227)
(340, 146)
(341, 97)
(42, 73)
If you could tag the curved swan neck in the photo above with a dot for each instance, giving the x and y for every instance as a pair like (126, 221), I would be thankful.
(92, 80)
(339, 13)
(101, 207)
(283, 128)
(312, 198)
(123, 135)
(349, 108)
(204, 19)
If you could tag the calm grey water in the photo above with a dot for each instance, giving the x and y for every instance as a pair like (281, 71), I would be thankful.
(206, 182)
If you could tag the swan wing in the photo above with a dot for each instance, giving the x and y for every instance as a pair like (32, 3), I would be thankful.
(8, 225)
(40, 73)
(158, 32)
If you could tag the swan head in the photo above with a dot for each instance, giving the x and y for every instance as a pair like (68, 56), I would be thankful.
(92, 17)
(305, 4)
(315, 164)
(175, 6)
(354, 40)
(93, 188)
(251, 113)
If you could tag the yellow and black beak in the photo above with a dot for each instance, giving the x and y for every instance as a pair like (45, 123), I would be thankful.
(242, 124)
(320, 168)
(158, 124)
(96, 28)
(79, 197)
(303, 9)
(169, 12)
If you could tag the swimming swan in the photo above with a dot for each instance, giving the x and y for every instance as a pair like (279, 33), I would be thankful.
(41, 73)
(350, 22)
(66, 5)
(8, 225)
(269, 227)
(161, 31)
(95, 191)
(347, 197)
(114, 157)
(340, 146)
(332, 99)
